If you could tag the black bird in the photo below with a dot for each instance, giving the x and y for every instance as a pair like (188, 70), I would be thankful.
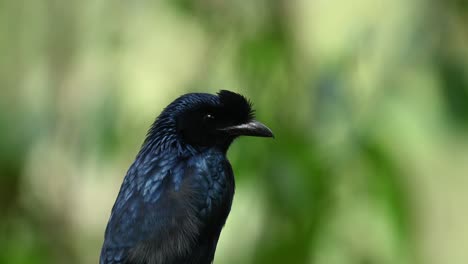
(178, 192)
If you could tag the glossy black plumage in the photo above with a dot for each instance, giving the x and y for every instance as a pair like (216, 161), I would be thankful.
(177, 194)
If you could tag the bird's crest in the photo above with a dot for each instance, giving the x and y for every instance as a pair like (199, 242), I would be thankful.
(238, 103)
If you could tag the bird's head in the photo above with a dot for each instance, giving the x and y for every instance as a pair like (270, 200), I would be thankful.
(207, 120)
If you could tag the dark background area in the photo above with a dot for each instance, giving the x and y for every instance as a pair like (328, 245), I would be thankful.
(368, 101)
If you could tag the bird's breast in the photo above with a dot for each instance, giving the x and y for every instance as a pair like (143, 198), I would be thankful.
(213, 184)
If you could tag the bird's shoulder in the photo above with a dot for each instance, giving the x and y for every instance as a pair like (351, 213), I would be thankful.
(135, 215)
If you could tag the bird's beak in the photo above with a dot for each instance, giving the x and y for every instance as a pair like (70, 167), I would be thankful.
(251, 128)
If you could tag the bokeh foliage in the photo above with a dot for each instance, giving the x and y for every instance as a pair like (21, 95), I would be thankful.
(368, 101)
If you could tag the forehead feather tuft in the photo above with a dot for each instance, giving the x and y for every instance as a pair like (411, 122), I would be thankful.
(238, 104)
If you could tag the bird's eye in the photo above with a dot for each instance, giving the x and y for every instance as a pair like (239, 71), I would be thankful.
(209, 117)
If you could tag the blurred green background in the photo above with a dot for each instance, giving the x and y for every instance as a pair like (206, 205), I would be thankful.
(368, 100)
